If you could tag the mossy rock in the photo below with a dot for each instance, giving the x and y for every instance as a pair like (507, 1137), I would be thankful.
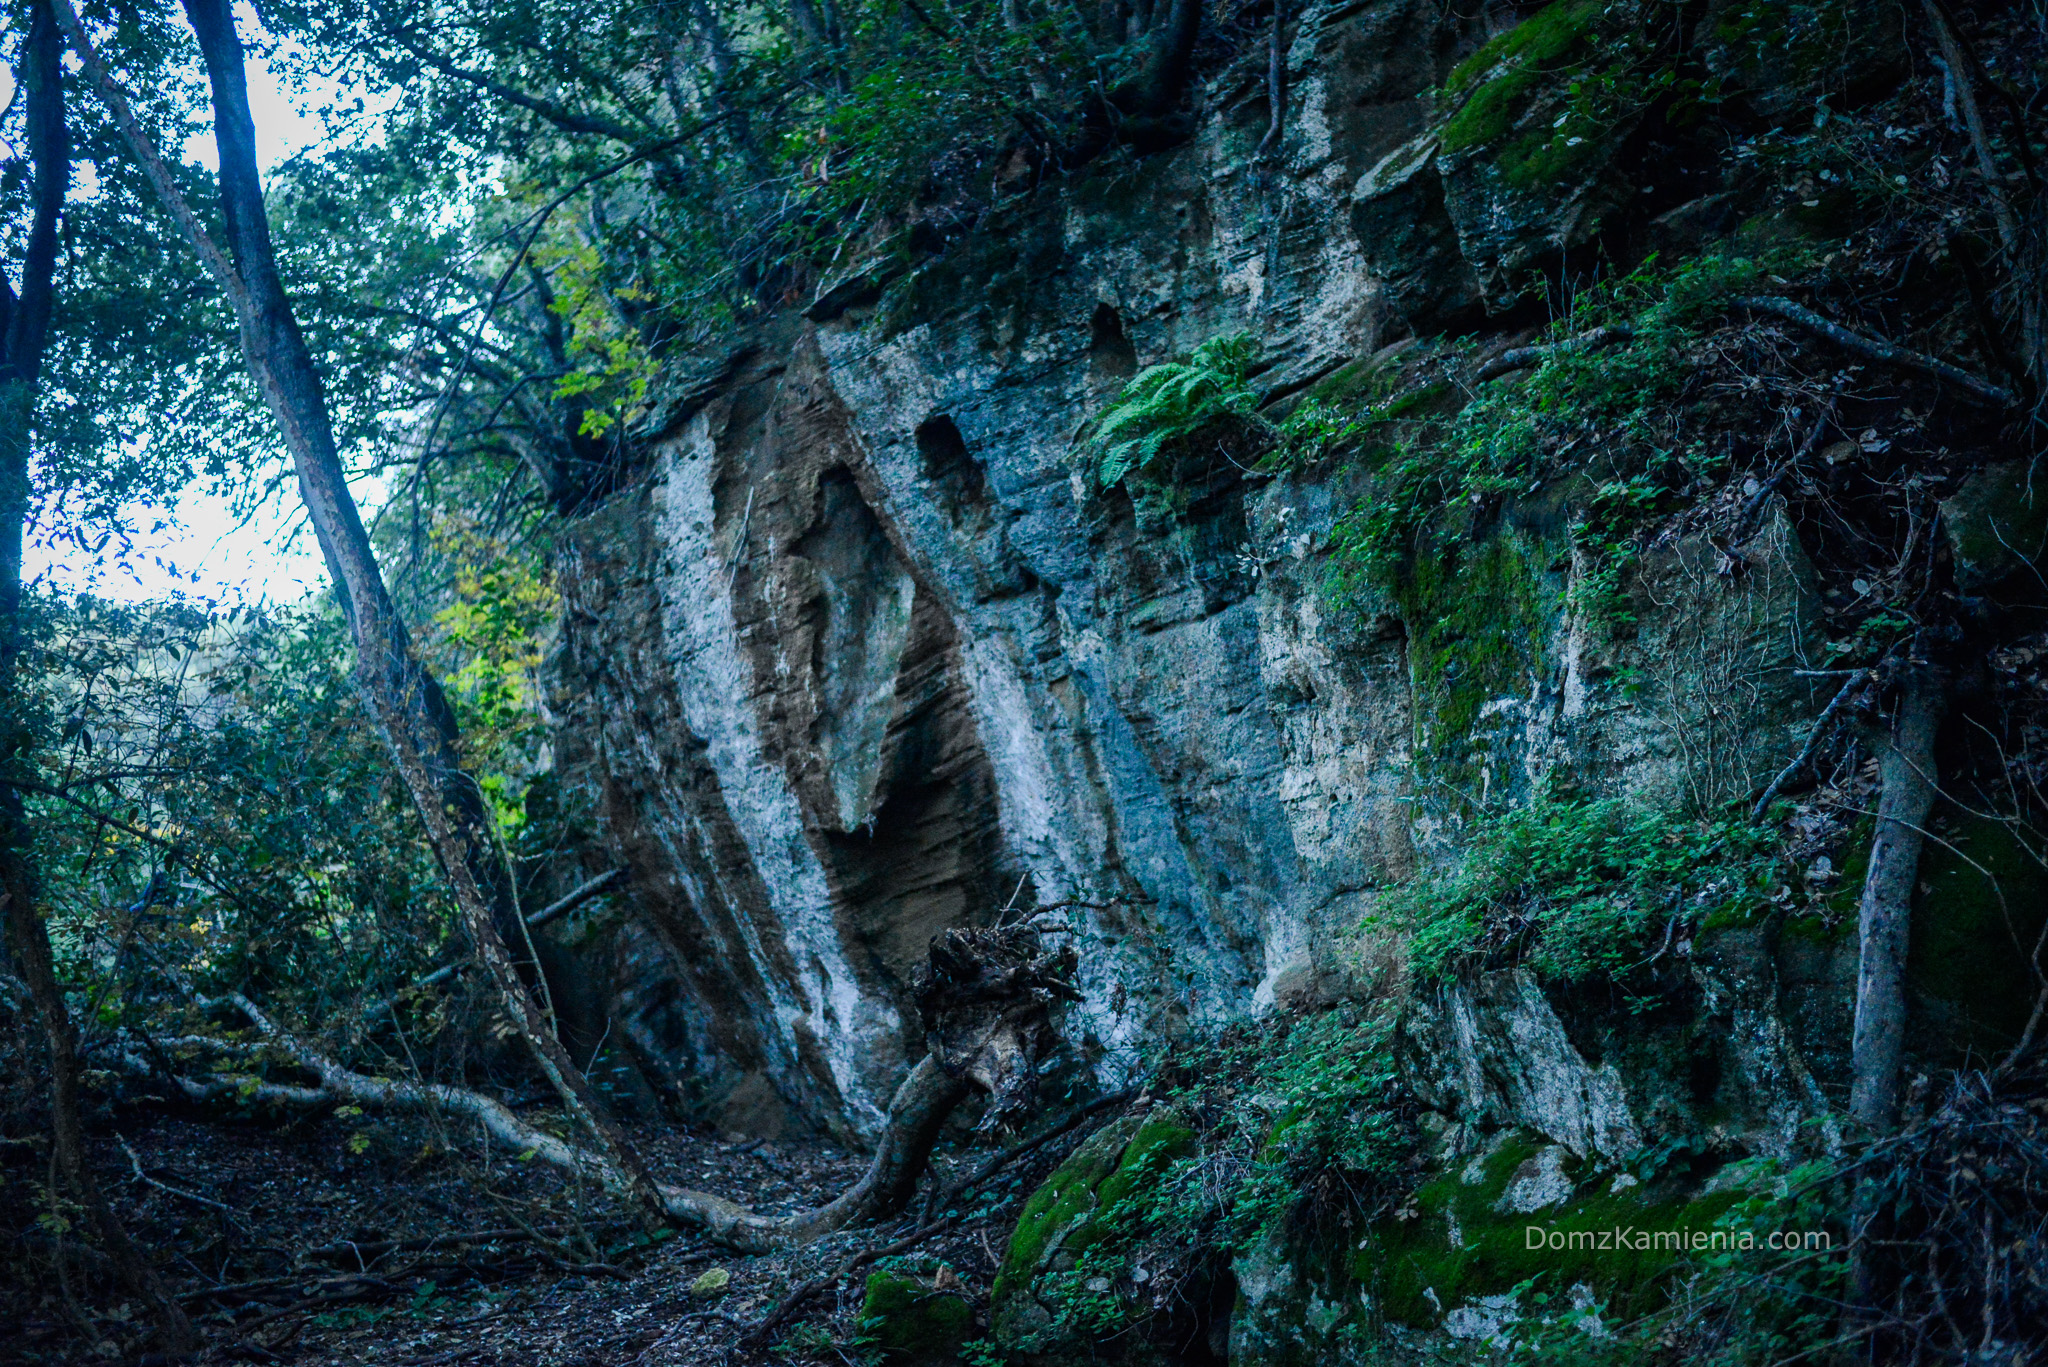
(1982, 902)
(1534, 124)
(1034, 1315)
(1997, 526)
(912, 1323)
(1469, 1236)
(1465, 1241)
(1481, 605)
(1496, 85)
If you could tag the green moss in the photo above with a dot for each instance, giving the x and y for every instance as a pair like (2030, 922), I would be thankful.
(1066, 1196)
(1404, 1261)
(911, 1323)
(1076, 1240)
(1552, 96)
(1544, 36)
(1479, 613)
(1546, 55)
(1974, 927)
(1161, 1139)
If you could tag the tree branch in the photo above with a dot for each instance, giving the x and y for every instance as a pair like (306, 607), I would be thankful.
(1821, 727)
(562, 117)
(554, 911)
(1976, 386)
(1522, 357)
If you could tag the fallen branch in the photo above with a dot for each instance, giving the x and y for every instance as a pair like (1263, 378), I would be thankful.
(554, 911)
(953, 1191)
(1821, 727)
(930, 1226)
(1887, 353)
(984, 995)
(1522, 357)
(371, 1250)
(135, 1162)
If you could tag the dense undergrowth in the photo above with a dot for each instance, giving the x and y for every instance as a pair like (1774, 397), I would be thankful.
(1580, 890)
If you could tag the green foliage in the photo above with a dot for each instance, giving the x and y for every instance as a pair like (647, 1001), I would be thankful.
(1593, 443)
(1581, 890)
(491, 639)
(215, 792)
(1547, 100)
(1256, 1126)
(1292, 1100)
(1171, 404)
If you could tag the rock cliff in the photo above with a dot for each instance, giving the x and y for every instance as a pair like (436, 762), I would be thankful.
(866, 655)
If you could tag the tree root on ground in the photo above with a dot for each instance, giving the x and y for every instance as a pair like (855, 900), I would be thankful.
(985, 996)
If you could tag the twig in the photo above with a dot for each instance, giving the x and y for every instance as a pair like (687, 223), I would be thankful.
(135, 1161)
(1889, 353)
(767, 1324)
(552, 912)
(955, 1190)
(365, 1287)
(482, 1236)
(1821, 727)
(739, 546)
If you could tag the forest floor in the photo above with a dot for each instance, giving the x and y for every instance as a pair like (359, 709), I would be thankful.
(347, 1239)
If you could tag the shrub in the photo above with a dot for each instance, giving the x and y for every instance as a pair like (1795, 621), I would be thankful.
(1581, 890)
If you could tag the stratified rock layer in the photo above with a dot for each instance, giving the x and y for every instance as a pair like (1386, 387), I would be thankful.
(866, 656)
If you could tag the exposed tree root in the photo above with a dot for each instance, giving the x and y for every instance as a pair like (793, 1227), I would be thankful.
(1523, 357)
(985, 997)
(1887, 353)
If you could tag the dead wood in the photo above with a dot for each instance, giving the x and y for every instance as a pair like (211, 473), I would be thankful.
(405, 699)
(1523, 357)
(1823, 727)
(370, 1250)
(1876, 349)
(985, 997)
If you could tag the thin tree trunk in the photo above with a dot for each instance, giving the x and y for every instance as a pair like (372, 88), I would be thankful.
(24, 331)
(1907, 777)
(406, 701)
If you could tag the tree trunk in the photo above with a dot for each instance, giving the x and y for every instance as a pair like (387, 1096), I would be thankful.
(24, 330)
(1907, 777)
(406, 701)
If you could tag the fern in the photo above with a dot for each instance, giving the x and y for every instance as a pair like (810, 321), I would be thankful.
(1166, 403)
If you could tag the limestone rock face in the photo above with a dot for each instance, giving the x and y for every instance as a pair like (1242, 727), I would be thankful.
(864, 655)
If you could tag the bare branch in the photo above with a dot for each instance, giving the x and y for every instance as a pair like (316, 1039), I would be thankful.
(1976, 386)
